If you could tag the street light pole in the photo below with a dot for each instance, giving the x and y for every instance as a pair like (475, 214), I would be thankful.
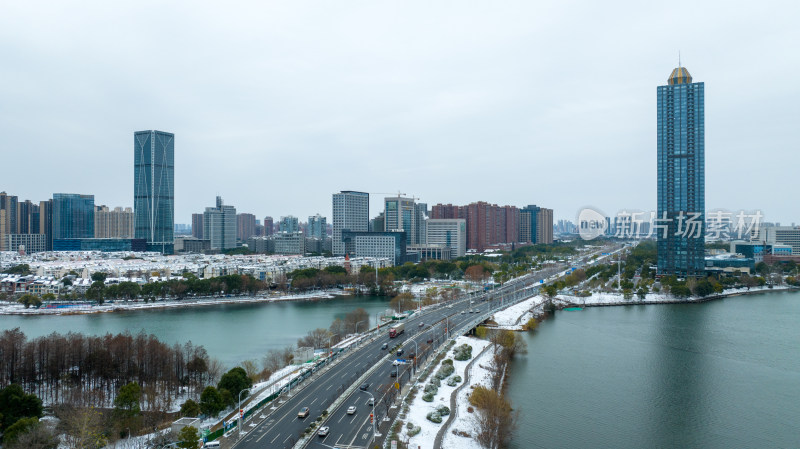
(241, 415)
(373, 414)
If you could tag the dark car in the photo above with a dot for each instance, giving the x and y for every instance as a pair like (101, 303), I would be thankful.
(364, 386)
(393, 373)
(430, 340)
(412, 355)
(399, 352)
(385, 345)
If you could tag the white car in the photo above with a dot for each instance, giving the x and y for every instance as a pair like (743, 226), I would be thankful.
(351, 410)
(323, 431)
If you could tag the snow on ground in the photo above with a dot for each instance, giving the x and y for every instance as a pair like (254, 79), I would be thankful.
(464, 420)
(419, 409)
(513, 317)
(79, 308)
(617, 298)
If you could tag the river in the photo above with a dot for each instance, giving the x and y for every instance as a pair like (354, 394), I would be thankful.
(720, 374)
(230, 332)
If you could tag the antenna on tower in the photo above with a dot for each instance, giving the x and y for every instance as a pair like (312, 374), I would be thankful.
(679, 58)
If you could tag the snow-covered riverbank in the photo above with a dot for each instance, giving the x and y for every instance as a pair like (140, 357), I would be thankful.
(118, 306)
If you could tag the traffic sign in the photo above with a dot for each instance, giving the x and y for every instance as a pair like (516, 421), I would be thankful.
(397, 385)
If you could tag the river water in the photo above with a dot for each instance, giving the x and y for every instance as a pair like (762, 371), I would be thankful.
(721, 374)
(231, 333)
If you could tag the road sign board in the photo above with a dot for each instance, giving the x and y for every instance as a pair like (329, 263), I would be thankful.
(397, 385)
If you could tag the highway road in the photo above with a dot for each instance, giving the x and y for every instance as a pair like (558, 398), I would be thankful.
(281, 428)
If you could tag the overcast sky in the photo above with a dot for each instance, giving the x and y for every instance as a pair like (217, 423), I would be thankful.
(275, 106)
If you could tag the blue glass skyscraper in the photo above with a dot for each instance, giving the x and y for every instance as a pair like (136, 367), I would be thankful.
(680, 224)
(154, 189)
(73, 216)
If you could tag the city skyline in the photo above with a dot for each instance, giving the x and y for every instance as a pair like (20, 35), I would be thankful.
(503, 108)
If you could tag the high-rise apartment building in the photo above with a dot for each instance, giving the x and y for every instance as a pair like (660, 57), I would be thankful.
(351, 212)
(317, 227)
(681, 176)
(73, 216)
(245, 226)
(269, 226)
(289, 223)
(535, 224)
(197, 226)
(8, 217)
(219, 225)
(117, 223)
(46, 222)
(154, 189)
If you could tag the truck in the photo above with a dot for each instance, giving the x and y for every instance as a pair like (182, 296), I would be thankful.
(397, 329)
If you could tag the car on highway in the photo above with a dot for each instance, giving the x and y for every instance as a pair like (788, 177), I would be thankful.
(303, 412)
(323, 431)
(371, 402)
(393, 373)
(399, 352)
(351, 410)
(463, 312)
(430, 340)
(421, 324)
(396, 362)
(385, 345)
(364, 386)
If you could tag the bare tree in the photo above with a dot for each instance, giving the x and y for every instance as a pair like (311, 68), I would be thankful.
(317, 338)
(83, 428)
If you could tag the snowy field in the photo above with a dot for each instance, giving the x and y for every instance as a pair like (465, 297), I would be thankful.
(19, 309)
(419, 409)
(464, 421)
(515, 316)
(617, 298)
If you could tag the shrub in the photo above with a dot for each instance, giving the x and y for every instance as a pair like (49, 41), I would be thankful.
(447, 362)
(445, 371)
(470, 410)
(452, 382)
(435, 381)
(463, 352)
(431, 388)
(443, 410)
(427, 397)
(434, 417)
(415, 431)
(410, 425)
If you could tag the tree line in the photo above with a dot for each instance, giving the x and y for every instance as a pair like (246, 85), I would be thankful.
(88, 370)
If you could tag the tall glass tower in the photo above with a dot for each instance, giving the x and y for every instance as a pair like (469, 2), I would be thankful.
(680, 224)
(73, 216)
(154, 189)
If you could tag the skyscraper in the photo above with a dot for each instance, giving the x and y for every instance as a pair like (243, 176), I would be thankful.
(680, 225)
(219, 225)
(197, 226)
(245, 226)
(154, 189)
(317, 227)
(73, 216)
(350, 211)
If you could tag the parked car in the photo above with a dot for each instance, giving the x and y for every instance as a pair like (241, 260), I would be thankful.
(351, 410)
(323, 431)
(303, 412)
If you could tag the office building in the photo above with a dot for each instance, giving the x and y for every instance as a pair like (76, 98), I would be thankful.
(681, 176)
(106, 245)
(386, 245)
(73, 216)
(245, 226)
(117, 223)
(402, 214)
(154, 189)
(351, 212)
(376, 224)
(25, 243)
(784, 235)
(317, 227)
(449, 233)
(289, 243)
(219, 226)
(197, 226)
